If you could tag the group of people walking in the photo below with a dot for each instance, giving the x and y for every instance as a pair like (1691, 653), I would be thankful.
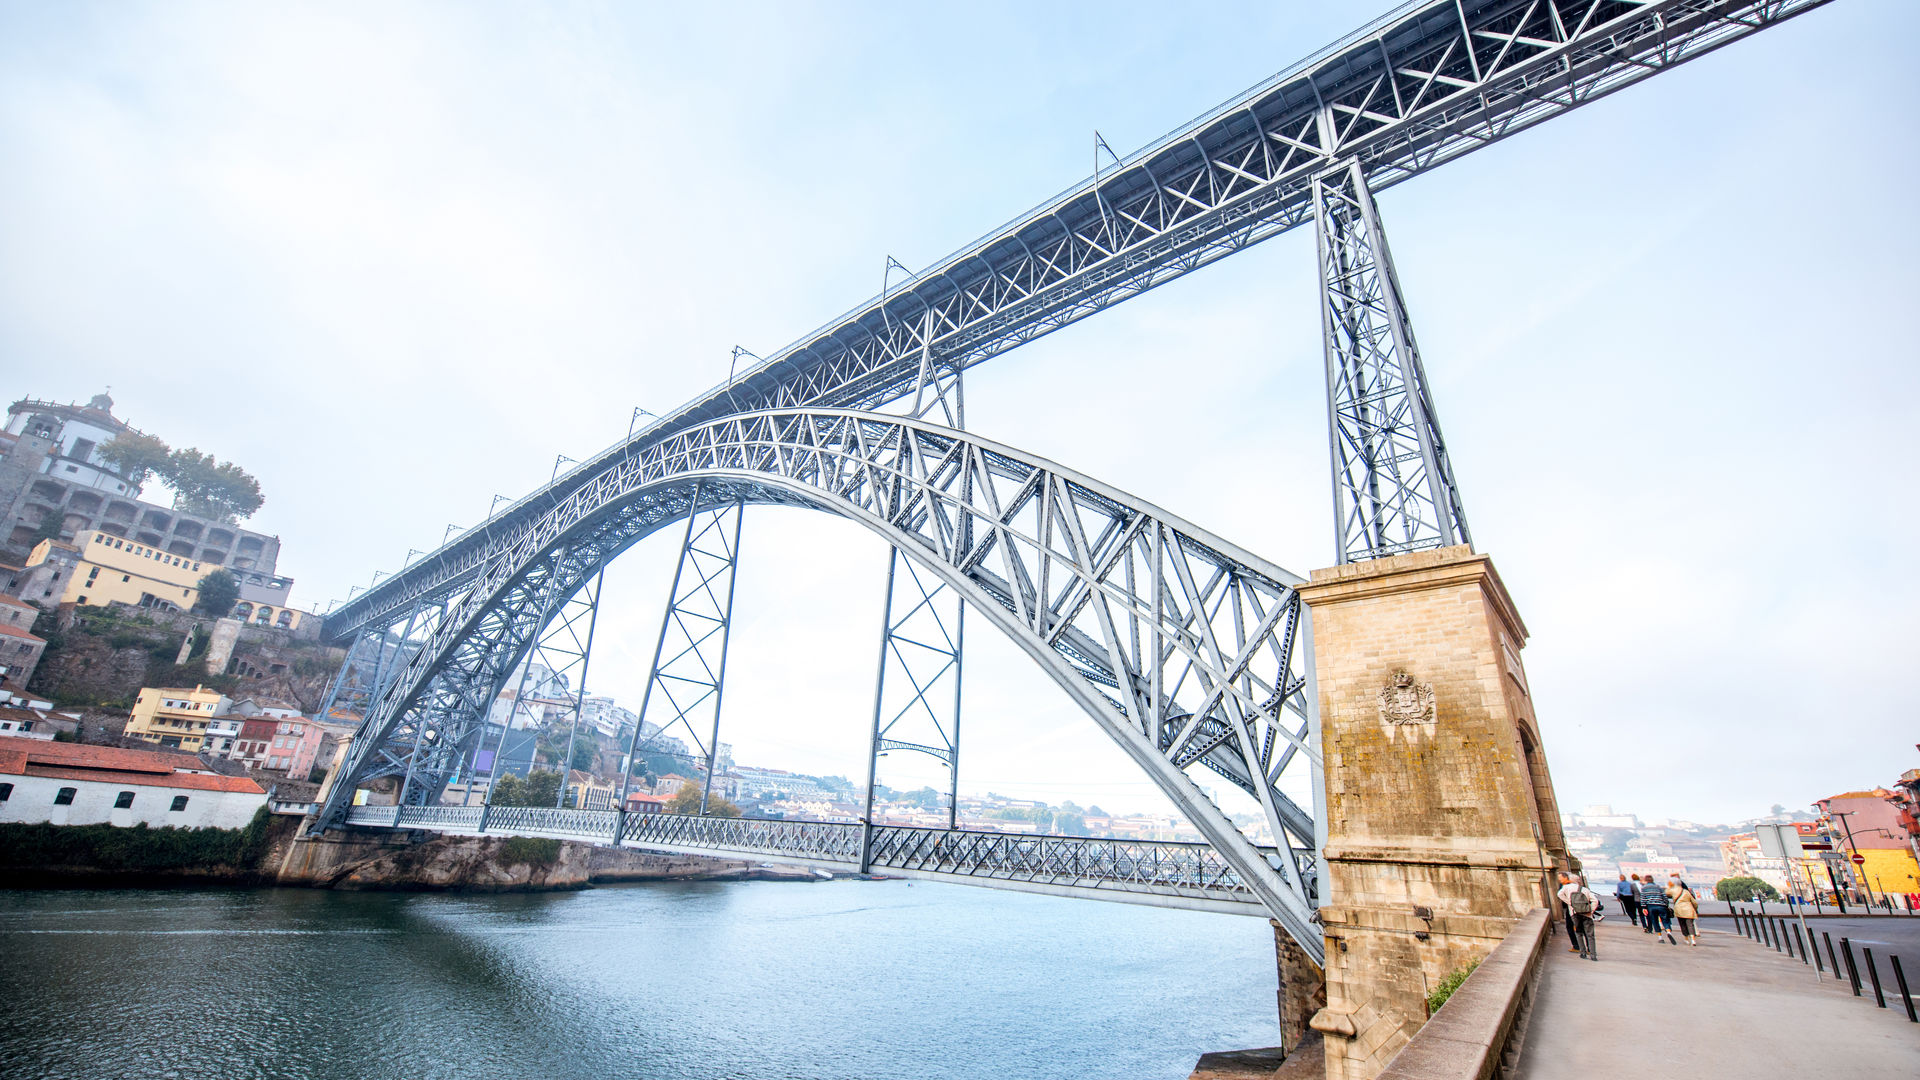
(1649, 905)
(1654, 908)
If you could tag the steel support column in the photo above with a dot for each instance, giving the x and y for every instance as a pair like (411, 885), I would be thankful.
(1393, 488)
(921, 653)
(585, 652)
(688, 680)
(921, 645)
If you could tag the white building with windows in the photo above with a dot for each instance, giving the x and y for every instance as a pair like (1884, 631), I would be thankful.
(77, 784)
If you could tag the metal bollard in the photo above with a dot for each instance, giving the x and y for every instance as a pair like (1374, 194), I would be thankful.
(1832, 957)
(1798, 940)
(1853, 971)
(1874, 974)
(1900, 980)
(1813, 949)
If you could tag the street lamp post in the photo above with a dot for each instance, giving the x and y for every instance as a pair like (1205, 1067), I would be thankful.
(1858, 878)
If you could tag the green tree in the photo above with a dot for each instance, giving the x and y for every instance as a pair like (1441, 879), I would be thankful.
(218, 591)
(584, 751)
(541, 788)
(222, 490)
(506, 791)
(1745, 888)
(687, 801)
(136, 456)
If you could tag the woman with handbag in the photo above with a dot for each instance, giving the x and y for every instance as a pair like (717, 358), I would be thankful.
(1681, 899)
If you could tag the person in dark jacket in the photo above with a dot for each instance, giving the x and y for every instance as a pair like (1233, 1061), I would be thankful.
(1654, 910)
(1624, 891)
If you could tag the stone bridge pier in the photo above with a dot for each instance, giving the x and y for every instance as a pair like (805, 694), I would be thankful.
(1442, 830)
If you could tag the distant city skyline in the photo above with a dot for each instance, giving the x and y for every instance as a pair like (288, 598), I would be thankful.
(394, 263)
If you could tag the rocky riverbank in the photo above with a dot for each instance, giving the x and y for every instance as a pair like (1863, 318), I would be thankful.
(270, 852)
(492, 864)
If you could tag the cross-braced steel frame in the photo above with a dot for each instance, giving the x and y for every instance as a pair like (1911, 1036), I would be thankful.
(922, 645)
(688, 680)
(922, 626)
(1393, 487)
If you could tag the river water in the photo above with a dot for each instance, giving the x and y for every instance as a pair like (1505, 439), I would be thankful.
(760, 980)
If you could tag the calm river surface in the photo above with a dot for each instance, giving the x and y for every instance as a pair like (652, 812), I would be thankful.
(698, 980)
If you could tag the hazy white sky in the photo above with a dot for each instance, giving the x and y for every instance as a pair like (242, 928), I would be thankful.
(394, 258)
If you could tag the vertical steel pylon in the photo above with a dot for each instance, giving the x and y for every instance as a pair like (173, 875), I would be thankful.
(1393, 488)
(916, 693)
(689, 674)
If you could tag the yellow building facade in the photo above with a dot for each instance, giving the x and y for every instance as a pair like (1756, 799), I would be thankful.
(1888, 870)
(175, 717)
(113, 568)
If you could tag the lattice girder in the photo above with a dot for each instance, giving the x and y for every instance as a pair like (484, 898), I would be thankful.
(1421, 87)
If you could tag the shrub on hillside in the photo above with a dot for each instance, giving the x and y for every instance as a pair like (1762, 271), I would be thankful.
(136, 848)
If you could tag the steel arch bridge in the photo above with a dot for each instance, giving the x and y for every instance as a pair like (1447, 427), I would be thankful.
(1187, 650)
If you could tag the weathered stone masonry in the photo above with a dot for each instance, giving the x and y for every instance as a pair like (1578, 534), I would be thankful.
(1441, 824)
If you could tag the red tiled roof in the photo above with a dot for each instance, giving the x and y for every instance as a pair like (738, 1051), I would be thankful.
(113, 765)
(15, 632)
(641, 796)
(14, 601)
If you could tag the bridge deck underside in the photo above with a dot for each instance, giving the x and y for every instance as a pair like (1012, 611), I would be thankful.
(1149, 872)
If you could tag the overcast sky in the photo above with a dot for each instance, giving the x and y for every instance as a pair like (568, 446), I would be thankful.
(393, 258)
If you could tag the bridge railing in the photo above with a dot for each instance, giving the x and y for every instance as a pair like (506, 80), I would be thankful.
(460, 818)
(1155, 865)
(1062, 862)
(591, 825)
(815, 841)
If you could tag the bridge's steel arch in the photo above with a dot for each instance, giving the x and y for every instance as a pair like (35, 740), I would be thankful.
(1184, 648)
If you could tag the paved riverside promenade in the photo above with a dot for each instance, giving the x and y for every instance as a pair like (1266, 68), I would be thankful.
(1727, 1008)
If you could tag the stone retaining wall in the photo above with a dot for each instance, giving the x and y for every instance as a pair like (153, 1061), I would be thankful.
(1472, 1037)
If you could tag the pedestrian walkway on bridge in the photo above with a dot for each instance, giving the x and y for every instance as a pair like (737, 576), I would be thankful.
(1726, 1008)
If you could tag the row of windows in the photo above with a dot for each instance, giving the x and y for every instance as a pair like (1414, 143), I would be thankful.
(144, 552)
(122, 801)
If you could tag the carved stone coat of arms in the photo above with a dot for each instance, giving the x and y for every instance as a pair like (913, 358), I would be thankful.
(1403, 701)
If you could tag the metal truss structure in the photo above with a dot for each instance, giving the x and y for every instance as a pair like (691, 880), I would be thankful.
(564, 650)
(923, 632)
(374, 659)
(1393, 488)
(1427, 83)
(1185, 648)
(1152, 872)
(689, 674)
(923, 626)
